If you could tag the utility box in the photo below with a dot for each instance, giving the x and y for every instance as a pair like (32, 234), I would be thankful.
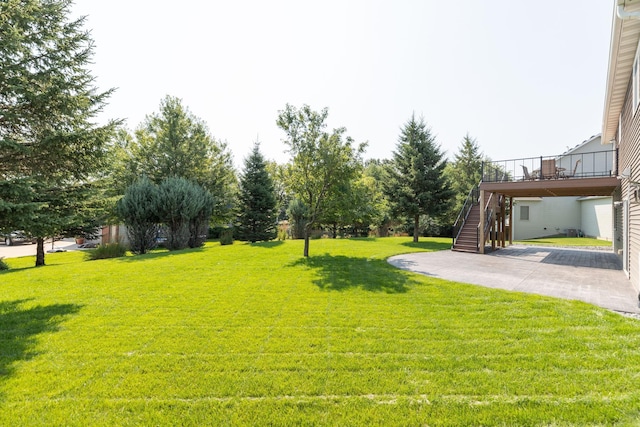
(572, 232)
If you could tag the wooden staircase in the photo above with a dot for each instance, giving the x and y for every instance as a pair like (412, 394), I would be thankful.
(467, 240)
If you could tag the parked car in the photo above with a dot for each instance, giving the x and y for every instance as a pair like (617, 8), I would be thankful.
(18, 237)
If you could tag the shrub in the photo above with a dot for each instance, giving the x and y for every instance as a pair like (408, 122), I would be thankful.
(226, 236)
(283, 231)
(3, 265)
(110, 250)
(299, 217)
(185, 209)
(138, 209)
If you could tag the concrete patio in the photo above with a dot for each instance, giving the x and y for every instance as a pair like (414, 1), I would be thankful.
(593, 276)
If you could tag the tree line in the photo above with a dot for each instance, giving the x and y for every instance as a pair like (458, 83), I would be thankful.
(62, 174)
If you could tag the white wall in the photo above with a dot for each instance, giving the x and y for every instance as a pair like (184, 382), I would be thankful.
(547, 217)
(590, 163)
(597, 217)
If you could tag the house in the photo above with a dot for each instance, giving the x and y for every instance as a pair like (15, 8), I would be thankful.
(614, 170)
(591, 216)
(621, 126)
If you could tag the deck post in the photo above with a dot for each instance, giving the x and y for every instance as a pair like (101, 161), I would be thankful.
(510, 221)
(482, 220)
(503, 220)
(493, 232)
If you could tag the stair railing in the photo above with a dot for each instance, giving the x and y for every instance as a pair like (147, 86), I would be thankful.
(471, 200)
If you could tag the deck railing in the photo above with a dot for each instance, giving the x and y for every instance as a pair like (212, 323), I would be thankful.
(567, 166)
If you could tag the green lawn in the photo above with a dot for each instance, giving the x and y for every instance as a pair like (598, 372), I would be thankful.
(566, 241)
(257, 335)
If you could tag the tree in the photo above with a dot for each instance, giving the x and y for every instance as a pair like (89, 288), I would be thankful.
(176, 143)
(47, 105)
(184, 208)
(139, 209)
(278, 174)
(257, 210)
(375, 177)
(321, 161)
(416, 184)
(465, 172)
(298, 214)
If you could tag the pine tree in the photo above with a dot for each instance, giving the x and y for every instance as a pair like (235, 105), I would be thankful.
(47, 105)
(139, 209)
(176, 143)
(258, 214)
(465, 172)
(416, 183)
(185, 208)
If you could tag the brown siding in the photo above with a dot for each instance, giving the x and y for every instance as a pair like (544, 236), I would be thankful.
(629, 156)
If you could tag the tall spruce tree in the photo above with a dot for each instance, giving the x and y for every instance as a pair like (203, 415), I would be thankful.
(257, 211)
(465, 172)
(48, 102)
(416, 183)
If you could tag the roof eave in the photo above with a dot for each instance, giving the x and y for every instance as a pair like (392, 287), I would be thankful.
(624, 42)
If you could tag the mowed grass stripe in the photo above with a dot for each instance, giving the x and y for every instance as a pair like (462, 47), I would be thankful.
(256, 334)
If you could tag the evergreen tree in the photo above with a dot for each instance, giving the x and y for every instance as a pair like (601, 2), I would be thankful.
(465, 172)
(47, 105)
(176, 143)
(298, 214)
(185, 208)
(257, 216)
(139, 209)
(416, 184)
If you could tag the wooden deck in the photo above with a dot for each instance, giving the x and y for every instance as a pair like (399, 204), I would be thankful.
(600, 186)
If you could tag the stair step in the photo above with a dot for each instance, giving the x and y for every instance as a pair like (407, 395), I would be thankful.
(469, 250)
(467, 240)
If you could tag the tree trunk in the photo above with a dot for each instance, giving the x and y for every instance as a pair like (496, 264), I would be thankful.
(39, 251)
(416, 225)
(307, 232)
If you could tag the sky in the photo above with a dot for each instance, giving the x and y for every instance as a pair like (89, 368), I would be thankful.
(523, 78)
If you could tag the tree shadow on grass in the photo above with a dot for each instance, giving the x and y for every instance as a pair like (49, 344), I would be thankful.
(270, 244)
(20, 326)
(341, 273)
(158, 253)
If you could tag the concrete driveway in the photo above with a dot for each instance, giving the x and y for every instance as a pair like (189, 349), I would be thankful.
(593, 276)
(27, 249)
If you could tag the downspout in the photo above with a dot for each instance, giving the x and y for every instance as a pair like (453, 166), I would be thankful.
(625, 15)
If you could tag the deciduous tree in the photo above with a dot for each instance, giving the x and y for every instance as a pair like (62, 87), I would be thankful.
(321, 161)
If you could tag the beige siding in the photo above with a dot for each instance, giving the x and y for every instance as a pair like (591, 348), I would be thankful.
(617, 222)
(629, 156)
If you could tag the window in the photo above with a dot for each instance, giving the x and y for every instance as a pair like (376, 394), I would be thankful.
(524, 213)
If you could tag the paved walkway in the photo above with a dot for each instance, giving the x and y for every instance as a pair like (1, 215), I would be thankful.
(593, 276)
